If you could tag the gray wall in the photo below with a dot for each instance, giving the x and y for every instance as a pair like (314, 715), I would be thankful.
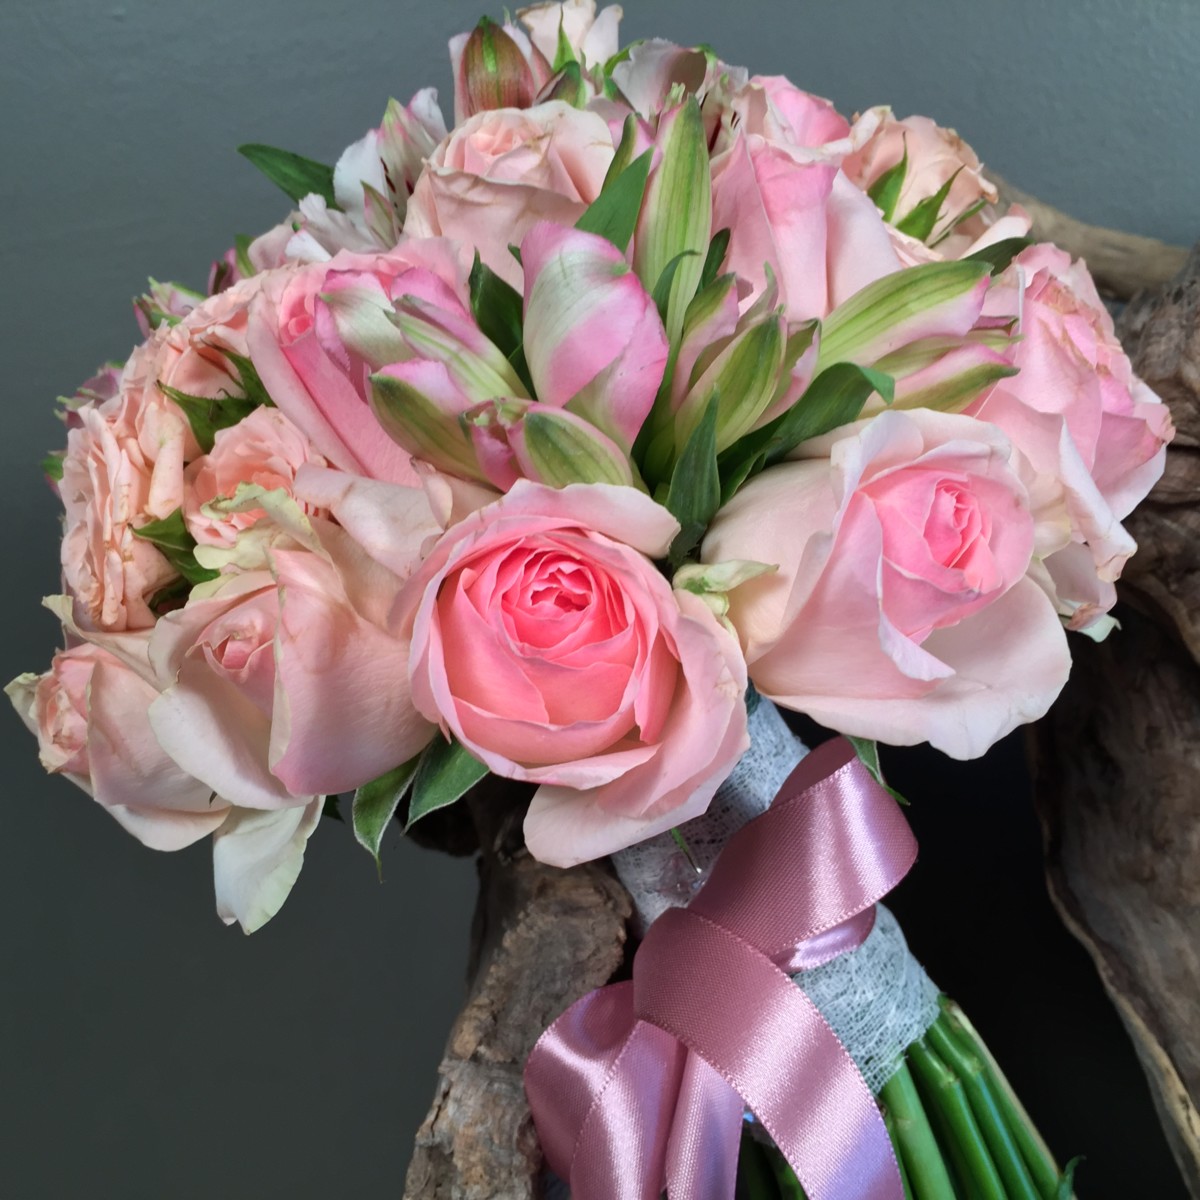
(146, 1051)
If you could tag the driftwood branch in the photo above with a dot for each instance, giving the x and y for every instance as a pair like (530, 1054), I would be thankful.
(1118, 758)
(542, 938)
(1122, 263)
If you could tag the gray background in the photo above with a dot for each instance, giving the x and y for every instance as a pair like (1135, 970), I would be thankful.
(146, 1051)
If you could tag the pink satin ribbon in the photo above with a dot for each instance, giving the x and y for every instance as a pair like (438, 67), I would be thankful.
(642, 1085)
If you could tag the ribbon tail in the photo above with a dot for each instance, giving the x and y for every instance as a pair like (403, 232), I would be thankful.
(706, 1134)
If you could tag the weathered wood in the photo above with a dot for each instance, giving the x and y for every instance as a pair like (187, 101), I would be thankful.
(1122, 263)
(542, 938)
(1118, 758)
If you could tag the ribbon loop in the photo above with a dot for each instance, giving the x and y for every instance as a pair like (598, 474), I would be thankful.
(641, 1085)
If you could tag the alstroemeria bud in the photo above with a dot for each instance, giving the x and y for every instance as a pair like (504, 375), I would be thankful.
(946, 373)
(493, 73)
(515, 439)
(676, 216)
(593, 337)
(713, 582)
(422, 408)
(940, 299)
(164, 302)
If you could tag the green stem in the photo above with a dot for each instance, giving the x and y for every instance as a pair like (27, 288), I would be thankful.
(785, 1177)
(756, 1180)
(986, 1110)
(889, 1124)
(916, 1147)
(1034, 1151)
(943, 1091)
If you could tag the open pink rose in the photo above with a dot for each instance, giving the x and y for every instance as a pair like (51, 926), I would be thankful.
(89, 712)
(286, 683)
(544, 638)
(1076, 411)
(502, 171)
(936, 157)
(901, 609)
(264, 449)
(801, 219)
(311, 376)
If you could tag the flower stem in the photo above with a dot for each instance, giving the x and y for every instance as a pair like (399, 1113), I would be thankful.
(913, 1139)
(1034, 1151)
(943, 1092)
(755, 1179)
(986, 1110)
(890, 1125)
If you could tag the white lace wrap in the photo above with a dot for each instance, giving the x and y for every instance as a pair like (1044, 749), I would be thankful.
(877, 998)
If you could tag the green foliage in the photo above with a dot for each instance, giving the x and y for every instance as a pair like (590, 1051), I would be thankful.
(177, 546)
(694, 494)
(445, 772)
(614, 213)
(293, 174)
(375, 804)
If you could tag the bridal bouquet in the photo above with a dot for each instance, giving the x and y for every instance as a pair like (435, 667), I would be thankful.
(546, 442)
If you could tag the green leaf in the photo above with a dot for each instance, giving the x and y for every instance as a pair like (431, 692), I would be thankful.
(563, 53)
(868, 753)
(445, 772)
(52, 465)
(614, 213)
(496, 306)
(253, 388)
(885, 191)
(623, 155)
(177, 546)
(174, 595)
(375, 804)
(1066, 1185)
(833, 399)
(209, 414)
(999, 254)
(294, 174)
(921, 218)
(695, 492)
(662, 289)
(241, 250)
(717, 249)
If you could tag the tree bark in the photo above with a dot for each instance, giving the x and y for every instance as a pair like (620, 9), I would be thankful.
(542, 938)
(1118, 758)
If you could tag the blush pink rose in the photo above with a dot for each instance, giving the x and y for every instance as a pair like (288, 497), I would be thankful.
(89, 712)
(264, 449)
(935, 157)
(502, 171)
(288, 683)
(546, 641)
(1077, 411)
(801, 219)
(901, 609)
(310, 375)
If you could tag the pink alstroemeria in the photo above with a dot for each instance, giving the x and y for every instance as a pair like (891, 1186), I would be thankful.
(593, 338)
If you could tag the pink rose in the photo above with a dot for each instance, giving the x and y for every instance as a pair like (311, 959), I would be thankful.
(89, 712)
(108, 488)
(544, 638)
(800, 217)
(502, 171)
(1077, 411)
(311, 376)
(901, 609)
(288, 683)
(773, 108)
(935, 157)
(264, 449)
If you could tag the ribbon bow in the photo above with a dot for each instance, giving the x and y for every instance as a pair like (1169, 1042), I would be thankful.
(642, 1085)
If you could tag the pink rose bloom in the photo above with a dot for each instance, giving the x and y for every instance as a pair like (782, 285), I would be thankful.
(108, 487)
(802, 218)
(546, 641)
(502, 171)
(271, 701)
(935, 156)
(901, 609)
(1077, 412)
(594, 39)
(773, 108)
(89, 712)
(264, 449)
(646, 76)
(311, 376)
